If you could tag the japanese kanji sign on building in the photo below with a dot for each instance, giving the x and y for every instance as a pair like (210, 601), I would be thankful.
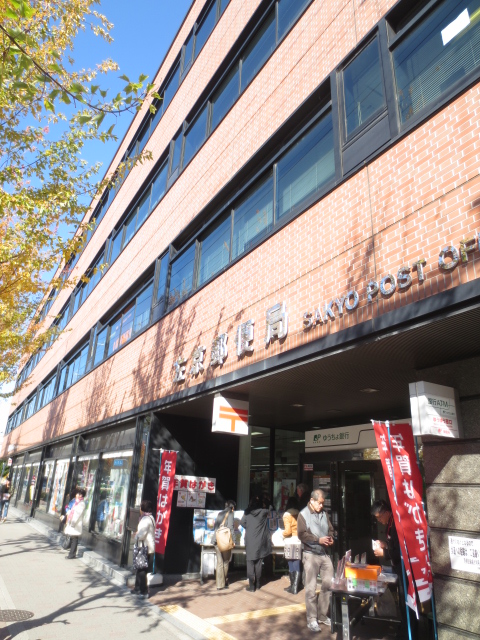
(230, 415)
(405, 490)
(194, 483)
(164, 501)
(434, 410)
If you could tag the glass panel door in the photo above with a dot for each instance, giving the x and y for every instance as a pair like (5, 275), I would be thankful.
(46, 486)
(58, 490)
(86, 472)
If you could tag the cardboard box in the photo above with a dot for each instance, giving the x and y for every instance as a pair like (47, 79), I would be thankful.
(362, 572)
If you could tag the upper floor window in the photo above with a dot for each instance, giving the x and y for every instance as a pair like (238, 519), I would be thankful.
(306, 167)
(364, 96)
(253, 217)
(258, 50)
(436, 51)
(288, 12)
(181, 276)
(205, 28)
(195, 136)
(215, 249)
(171, 87)
(225, 96)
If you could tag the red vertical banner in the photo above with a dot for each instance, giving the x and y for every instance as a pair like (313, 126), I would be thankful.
(405, 490)
(166, 481)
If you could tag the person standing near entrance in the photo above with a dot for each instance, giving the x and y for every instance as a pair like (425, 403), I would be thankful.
(146, 535)
(224, 519)
(303, 495)
(258, 542)
(5, 497)
(316, 533)
(290, 532)
(390, 550)
(75, 521)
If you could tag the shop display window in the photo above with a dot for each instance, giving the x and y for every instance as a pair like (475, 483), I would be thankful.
(86, 472)
(24, 485)
(28, 489)
(288, 447)
(58, 488)
(111, 505)
(46, 484)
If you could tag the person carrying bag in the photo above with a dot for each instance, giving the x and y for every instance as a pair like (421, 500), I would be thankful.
(223, 542)
(144, 549)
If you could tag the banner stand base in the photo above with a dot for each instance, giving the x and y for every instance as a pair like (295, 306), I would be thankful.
(154, 579)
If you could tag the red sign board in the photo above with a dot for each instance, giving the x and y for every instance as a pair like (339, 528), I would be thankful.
(405, 490)
(164, 501)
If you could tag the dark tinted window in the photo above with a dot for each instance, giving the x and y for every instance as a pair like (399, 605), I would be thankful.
(439, 51)
(224, 97)
(215, 250)
(176, 153)
(171, 87)
(181, 278)
(159, 186)
(258, 50)
(162, 281)
(306, 167)
(205, 28)
(116, 246)
(187, 54)
(100, 346)
(223, 5)
(288, 12)
(253, 217)
(143, 208)
(130, 227)
(143, 304)
(363, 88)
(195, 137)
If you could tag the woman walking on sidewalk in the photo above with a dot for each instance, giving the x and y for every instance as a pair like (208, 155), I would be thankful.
(146, 535)
(5, 497)
(290, 532)
(75, 521)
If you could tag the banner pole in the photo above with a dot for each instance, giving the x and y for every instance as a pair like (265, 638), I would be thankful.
(434, 611)
(404, 577)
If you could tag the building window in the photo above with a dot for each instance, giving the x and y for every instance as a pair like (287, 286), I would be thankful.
(171, 87)
(364, 96)
(110, 510)
(100, 346)
(258, 50)
(253, 217)
(86, 472)
(116, 246)
(159, 186)
(187, 55)
(205, 28)
(306, 168)
(181, 277)
(121, 329)
(143, 208)
(130, 227)
(195, 136)
(162, 282)
(288, 12)
(46, 394)
(439, 51)
(143, 304)
(46, 484)
(176, 156)
(215, 250)
(58, 489)
(224, 98)
(76, 367)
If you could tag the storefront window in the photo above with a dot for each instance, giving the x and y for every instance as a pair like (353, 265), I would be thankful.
(58, 489)
(288, 447)
(87, 468)
(110, 510)
(141, 463)
(24, 485)
(30, 492)
(46, 486)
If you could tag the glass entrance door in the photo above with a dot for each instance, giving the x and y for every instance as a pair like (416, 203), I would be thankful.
(361, 483)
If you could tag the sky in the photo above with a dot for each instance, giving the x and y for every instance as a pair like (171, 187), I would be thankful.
(143, 31)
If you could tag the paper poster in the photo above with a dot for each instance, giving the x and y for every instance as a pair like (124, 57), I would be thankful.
(182, 499)
(464, 554)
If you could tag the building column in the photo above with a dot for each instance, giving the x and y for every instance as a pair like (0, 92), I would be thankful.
(243, 484)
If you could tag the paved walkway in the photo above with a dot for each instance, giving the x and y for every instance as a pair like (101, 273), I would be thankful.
(47, 598)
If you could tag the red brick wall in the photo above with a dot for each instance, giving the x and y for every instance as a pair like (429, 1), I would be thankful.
(416, 198)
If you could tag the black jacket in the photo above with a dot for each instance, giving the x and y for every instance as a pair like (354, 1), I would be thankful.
(258, 541)
(393, 552)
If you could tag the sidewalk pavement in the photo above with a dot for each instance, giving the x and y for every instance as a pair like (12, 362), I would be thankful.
(46, 598)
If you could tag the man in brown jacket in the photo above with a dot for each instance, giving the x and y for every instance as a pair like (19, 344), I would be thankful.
(316, 533)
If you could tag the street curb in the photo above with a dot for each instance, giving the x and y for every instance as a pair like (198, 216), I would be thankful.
(111, 572)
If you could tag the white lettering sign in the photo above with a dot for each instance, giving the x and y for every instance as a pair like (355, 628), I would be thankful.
(464, 554)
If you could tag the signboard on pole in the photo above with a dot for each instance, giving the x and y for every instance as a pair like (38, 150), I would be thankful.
(434, 410)
(405, 490)
(164, 500)
(194, 483)
(230, 415)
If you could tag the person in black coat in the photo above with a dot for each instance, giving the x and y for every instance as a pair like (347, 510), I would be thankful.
(258, 541)
(390, 550)
(224, 519)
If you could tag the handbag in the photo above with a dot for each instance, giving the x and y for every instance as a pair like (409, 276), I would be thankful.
(292, 549)
(223, 536)
(140, 557)
(67, 543)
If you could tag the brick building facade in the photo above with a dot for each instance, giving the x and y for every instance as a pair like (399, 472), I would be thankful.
(320, 155)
